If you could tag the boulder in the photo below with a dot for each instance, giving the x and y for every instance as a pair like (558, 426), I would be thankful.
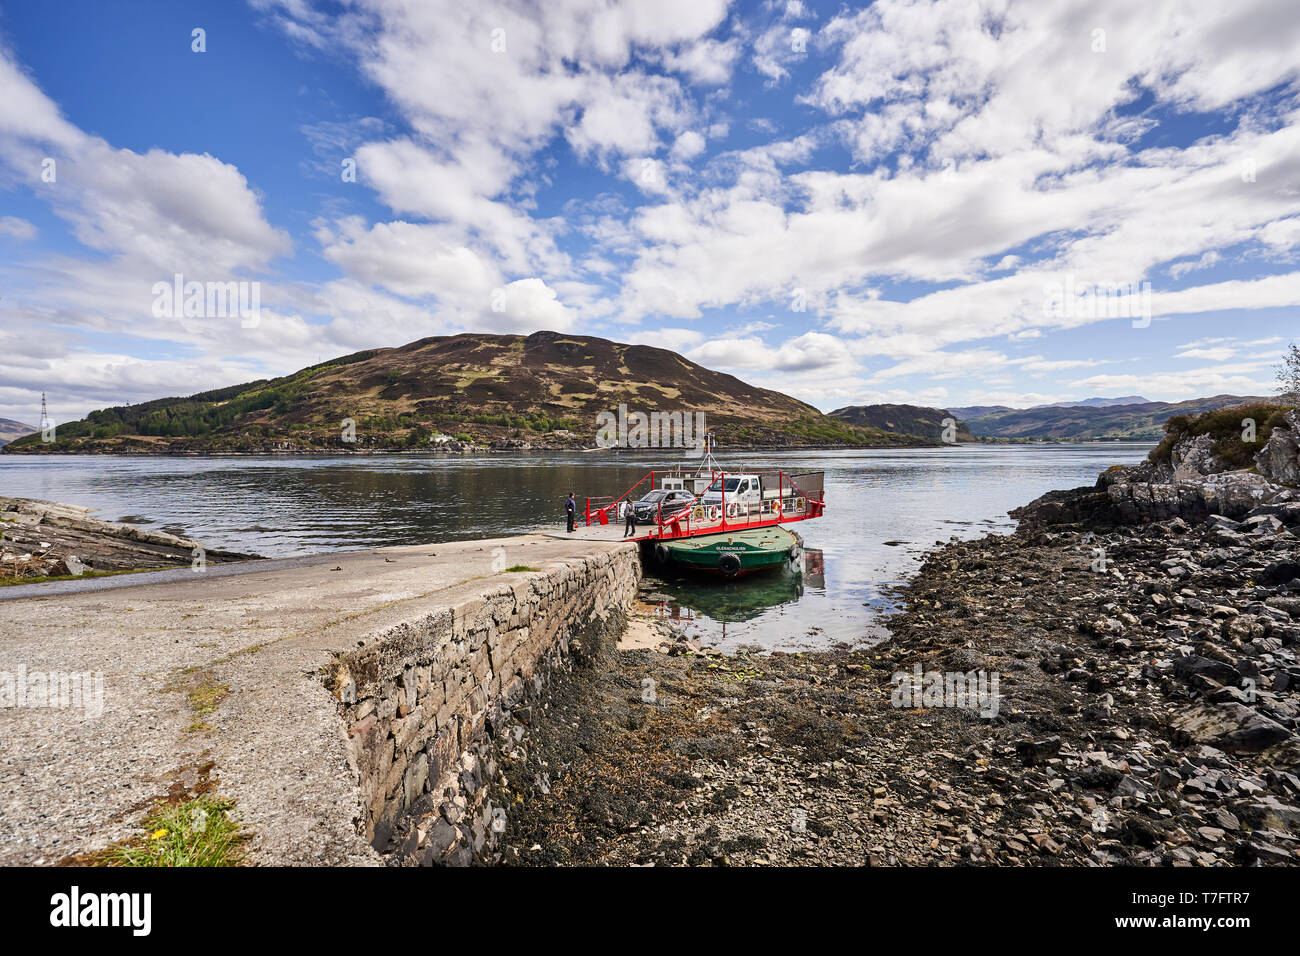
(1032, 752)
(1074, 506)
(1287, 512)
(1193, 665)
(1279, 460)
(1234, 728)
(1194, 457)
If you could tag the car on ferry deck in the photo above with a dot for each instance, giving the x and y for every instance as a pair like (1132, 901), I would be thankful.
(647, 509)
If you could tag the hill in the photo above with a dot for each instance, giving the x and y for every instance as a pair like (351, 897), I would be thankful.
(545, 389)
(1100, 402)
(1139, 422)
(902, 419)
(979, 411)
(11, 430)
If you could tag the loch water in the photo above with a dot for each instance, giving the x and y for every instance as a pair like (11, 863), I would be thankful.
(885, 508)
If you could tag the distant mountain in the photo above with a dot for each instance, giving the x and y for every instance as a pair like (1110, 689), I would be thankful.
(545, 389)
(902, 420)
(1100, 402)
(1137, 422)
(10, 430)
(980, 411)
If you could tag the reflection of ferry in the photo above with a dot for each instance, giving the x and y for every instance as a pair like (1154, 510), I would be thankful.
(710, 519)
(730, 603)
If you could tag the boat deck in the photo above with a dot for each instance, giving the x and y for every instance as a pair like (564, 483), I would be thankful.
(605, 532)
(651, 532)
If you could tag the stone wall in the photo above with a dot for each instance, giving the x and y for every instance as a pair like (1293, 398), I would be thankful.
(422, 702)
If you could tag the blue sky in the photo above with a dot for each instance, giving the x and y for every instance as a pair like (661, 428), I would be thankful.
(850, 203)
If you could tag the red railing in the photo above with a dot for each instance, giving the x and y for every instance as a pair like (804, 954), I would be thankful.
(797, 498)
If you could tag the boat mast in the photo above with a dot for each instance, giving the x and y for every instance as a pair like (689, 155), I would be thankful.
(710, 464)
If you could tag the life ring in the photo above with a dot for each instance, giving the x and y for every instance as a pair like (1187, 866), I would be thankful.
(776, 507)
(713, 512)
(729, 565)
(799, 504)
(698, 513)
(731, 510)
(661, 552)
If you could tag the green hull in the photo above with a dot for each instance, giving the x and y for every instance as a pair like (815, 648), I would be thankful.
(733, 553)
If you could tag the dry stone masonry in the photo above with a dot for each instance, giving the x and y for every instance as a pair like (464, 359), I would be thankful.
(429, 703)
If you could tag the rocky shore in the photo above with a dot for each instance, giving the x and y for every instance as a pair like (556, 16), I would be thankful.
(1145, 638)
(41, 539)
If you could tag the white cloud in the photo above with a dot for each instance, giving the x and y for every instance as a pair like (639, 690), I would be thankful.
(16, 228)
(994, 151)
(812, 351)
(707, 62)
(1242, 379)
(410, 259)
(689, 145)
(1206, 260)
(677, 340)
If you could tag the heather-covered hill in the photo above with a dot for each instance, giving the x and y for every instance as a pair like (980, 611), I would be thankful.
(544, 389)
(903, 419)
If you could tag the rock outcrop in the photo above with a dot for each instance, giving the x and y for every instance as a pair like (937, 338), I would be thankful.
(1233, 494)
(1195, 457)
(48, 539)
(1189, 488)
(1279, 460)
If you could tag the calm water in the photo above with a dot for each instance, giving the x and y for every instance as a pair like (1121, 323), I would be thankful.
(884, 508)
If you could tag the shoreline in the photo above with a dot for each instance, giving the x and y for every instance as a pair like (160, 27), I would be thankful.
(492, 452)
(472, 452)
(1137, 703)
(1147, 715)
(47, 541)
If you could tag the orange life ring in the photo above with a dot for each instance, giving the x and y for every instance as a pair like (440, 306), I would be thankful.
(776, 507)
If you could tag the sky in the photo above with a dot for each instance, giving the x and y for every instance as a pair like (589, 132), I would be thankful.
(902, 201)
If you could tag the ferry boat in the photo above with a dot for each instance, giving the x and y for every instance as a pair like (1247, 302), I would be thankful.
(732, 553)
(716, 520)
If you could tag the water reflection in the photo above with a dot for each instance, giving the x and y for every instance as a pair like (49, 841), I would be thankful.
(728, 601)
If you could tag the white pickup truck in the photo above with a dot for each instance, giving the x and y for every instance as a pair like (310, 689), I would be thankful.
(743, 496)
(735, 489)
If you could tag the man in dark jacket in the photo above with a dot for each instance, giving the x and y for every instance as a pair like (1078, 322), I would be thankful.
(629, 526)
(571, 508)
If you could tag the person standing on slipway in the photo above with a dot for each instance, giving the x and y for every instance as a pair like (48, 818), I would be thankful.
(571, 509)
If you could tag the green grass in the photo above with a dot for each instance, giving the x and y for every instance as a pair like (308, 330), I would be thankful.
(198, 832)
(205, 698)
(518, 567)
